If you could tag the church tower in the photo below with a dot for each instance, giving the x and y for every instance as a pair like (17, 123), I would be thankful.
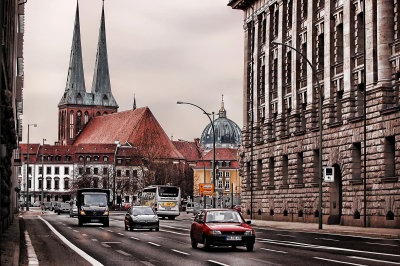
(77, 106)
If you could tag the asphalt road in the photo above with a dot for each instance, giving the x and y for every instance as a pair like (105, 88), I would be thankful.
(171, 246)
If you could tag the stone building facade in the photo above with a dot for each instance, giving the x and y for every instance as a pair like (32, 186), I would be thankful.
(280, 151)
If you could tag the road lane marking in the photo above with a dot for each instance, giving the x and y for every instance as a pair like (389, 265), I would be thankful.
(327, 239)
(110, 231)
(123, 252)
(72, 246)
(132, 237)
(172, 232)
(94, 240)
(32, 258)
(143, 234)
(383, 261)
(181, 252)
(121, 234)
(217, 262)
(154, 244)
(76, 231)
(285, 235)
(111, 242)
(102, 228)
(69, 227)
(297, 244)
(279, 251)
(173, 227)
(338, 261)
(105, 245)
(84, 234)
(381, 244)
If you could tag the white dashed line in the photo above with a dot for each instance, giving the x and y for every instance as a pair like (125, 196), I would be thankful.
(154, 244)
(181, 252)
(84, 234)
(382, 261)
(94, 240)
(179, 228)
(285, 235)
(338, 261)
(327, 239)
(381, 244)
(123, 253)
(69, 227)
(279, 251)
(172, 232)
(217, 262)
(120, 234)
(132, 237)
(110, 231)
(102, 228)
(76, 231)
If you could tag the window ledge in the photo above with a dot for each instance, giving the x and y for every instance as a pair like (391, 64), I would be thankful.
(286, 136)
(314, 184)
(389, 179)
(390, 110)
(300, 132)
(356, 119)
(284, 186)
(299, 185)
(272, 139)
(335, 124)
(270, 187)
(314, 129)
(357, 181)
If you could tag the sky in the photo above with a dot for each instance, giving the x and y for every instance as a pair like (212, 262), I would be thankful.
(160, 51)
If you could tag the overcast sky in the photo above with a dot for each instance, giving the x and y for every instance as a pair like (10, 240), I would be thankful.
(161, 51)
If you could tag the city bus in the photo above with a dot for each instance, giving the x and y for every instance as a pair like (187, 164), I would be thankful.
(163, 199)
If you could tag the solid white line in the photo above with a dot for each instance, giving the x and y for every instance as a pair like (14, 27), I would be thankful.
(84, 234)
(94, 240)
(154, 244)
(384, 261)
(381, 244)
(69, 227)
(297, 244)
(120, 234)
(273, 250)
(123, 252)
(172, 232)
(173, 227)
(76, 231)
(285, 235)
(217, 262)
(328, 239)
(135, 238)
(32, 258)
(178, 251)
(110, 231)
(105, 245)
(338, 261)
(72, 246)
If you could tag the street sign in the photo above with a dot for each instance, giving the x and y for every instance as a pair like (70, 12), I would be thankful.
(206, 189)
(329, 173)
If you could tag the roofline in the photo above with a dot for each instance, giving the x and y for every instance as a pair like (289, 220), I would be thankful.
(240, 4)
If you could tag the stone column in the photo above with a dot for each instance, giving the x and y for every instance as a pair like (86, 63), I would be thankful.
(347, 47)
(385, 18)
(280, 59)
(245, 78)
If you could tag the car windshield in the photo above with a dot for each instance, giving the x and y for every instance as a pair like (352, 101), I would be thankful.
(95, 200)
(224, 217)
(142, 211)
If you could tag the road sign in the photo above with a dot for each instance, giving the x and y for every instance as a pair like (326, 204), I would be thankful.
(206, 189)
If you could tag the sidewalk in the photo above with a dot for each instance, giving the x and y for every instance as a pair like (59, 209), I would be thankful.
(10, 244)
(388, 233)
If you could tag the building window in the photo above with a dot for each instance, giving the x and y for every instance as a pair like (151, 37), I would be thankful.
(40, 170)
(316, 165)
(356, 160)
(220, 174)
(86, 117)
(80, 170)
(134, 173)
(105, 158)
(95, 171)
(227, 184)
(78, 121)
(95, 183)
(119, 161)
(127, 173)
(227, 174)
(56, 183)
(30, 183)
(105, 171)
(71, 125)
(285, 170)
(88, 170)
(48, 170)
(220, 183)
(66, 183)
(389, 157)
(48, 183)
(66, 170)
(118, 173)
(40, 183)
(56, 170)
(271, 171)
(96, 158)
(300, 168)
(81, 158)
(259, 173)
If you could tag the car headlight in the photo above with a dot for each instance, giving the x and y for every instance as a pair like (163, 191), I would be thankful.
(249, 233)
(106, 212)
(215, 232)
(82, 212)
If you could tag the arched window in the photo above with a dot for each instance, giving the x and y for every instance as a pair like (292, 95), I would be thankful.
(71, 125)
(98, 113)
(86, 117)
(78, 121)
(105, 113)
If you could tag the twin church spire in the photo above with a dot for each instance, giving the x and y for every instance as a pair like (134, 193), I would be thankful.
(75, 90)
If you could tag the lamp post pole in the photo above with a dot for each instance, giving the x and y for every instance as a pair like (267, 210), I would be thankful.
(42, 197)
(213, 130)
(115, 170)
(320, 128)
(204, 167)
(27, 172)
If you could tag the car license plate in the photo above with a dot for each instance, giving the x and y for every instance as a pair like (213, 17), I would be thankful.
(235, 238)
(95, 220)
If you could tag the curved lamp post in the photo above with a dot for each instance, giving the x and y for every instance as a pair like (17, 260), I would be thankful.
(213, 129)
(320, 128)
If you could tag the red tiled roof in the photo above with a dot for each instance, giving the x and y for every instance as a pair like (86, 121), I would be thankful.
(222, 154)
(188, 150)
(138, 127)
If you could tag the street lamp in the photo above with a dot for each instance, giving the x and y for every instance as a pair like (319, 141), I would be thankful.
(213, 130)
(42, 197)
(27, 172)
(115, 166)
(204, 166)
(320, 128)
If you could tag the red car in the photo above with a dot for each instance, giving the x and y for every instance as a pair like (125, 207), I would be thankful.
(221, 227)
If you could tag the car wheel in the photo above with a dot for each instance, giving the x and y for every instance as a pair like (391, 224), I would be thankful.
(106, 224)
(157, 229)
(250, 247)
(233, 247)
(126, 227)
(171, 218)
(80, 223)
(58, 213)
(206, 243)
(194, 243)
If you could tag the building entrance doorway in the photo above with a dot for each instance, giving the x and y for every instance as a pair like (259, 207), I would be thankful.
(336, 200)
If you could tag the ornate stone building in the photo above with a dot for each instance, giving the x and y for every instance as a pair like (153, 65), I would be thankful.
(280, 152)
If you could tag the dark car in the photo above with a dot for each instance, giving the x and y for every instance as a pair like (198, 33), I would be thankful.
(141, 217)
(46, 205)
(221, 227)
